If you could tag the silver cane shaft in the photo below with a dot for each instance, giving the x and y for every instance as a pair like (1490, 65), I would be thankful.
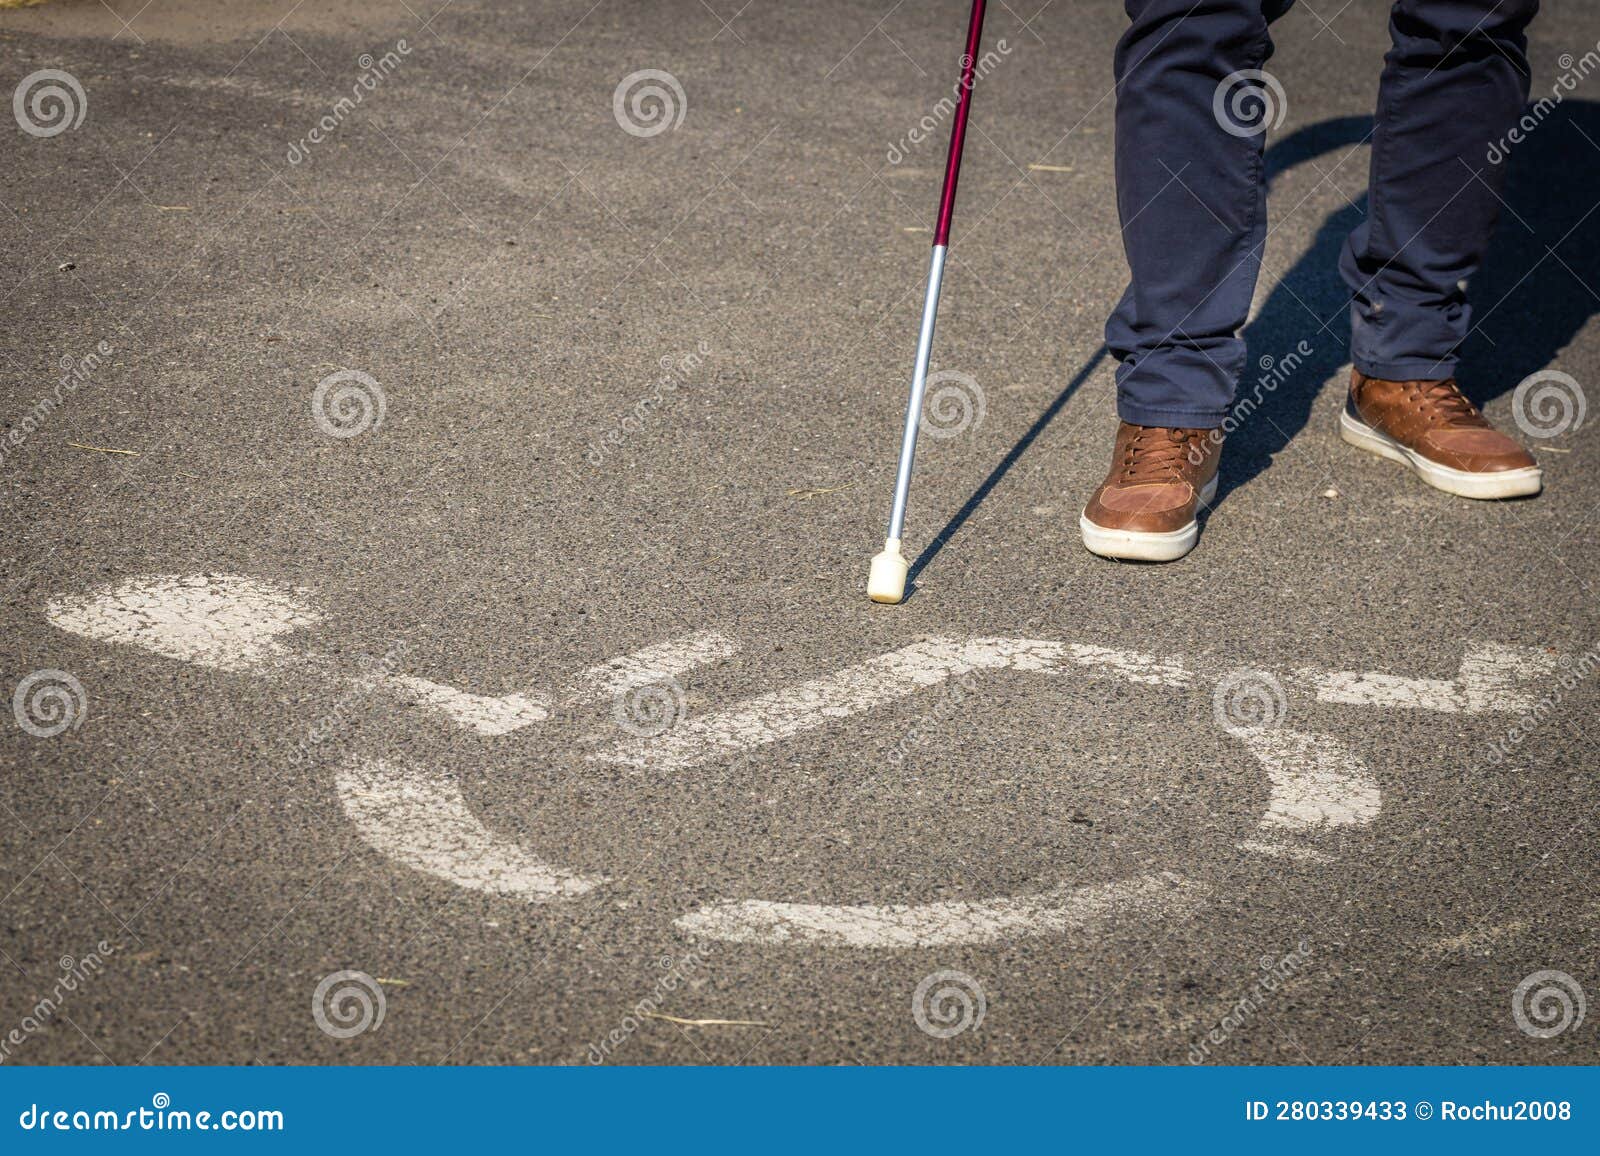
(919, 382)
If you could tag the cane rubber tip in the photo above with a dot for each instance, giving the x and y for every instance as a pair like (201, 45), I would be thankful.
(886, 581)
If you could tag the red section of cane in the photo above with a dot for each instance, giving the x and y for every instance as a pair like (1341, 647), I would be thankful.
(958, 133)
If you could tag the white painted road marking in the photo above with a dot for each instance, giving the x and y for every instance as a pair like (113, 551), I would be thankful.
(650, 665)
(1316, 780)
(486, 714)
(417, 816)
(1145, 898)
(232, 623)
(781, 714)
(1493, 677)
(222, 621)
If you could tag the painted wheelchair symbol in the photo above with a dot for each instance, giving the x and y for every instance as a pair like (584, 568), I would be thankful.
(417, 815)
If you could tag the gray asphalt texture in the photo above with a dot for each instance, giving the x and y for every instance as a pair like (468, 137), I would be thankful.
(483, 238)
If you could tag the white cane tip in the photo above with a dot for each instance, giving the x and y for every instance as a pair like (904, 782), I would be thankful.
(886, 581)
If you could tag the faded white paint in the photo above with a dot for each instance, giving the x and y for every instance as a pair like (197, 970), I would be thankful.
(652, 664)
(486, 714)
(233, 623)
(417, 816)
(222, 621)
(1131, 665)
(780, 714)
(1493, 677)
(1316, 780)
(1285, 851)
(766, 718)
(1066, 909)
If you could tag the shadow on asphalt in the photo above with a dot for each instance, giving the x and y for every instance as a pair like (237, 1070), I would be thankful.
(1529, 302)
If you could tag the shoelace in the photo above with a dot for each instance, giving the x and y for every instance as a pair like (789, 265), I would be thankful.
(1155, 455)
(1447, 401)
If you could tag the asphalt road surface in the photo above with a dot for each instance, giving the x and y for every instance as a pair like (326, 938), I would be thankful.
(439, 475)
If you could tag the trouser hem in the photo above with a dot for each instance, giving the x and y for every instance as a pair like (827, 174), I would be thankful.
(1407, 369)
(1131, 411)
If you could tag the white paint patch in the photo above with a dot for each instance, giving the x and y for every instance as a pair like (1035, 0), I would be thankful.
(1498, 677)
(223, 621)
(485, 714)
(1480, 940)
(650, 665)
(1316, 780)
(769, 717)
(1493, 677)
(417, 816)
(502, 714)
(1131, 665)
(758, 921)
(1375, 688)
(1285, 851)
(780, 714)
(233, 623)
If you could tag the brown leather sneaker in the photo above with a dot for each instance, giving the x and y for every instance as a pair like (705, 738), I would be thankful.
(1431, 428)
(1145, 509)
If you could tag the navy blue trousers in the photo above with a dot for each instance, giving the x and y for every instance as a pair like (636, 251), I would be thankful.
(1191, 192)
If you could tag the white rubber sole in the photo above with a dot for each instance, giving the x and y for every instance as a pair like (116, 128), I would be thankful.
(1144, 546)
(1462, 483)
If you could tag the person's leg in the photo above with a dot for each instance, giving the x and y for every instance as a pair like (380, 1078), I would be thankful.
(1453, 84)
(1192, 201)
